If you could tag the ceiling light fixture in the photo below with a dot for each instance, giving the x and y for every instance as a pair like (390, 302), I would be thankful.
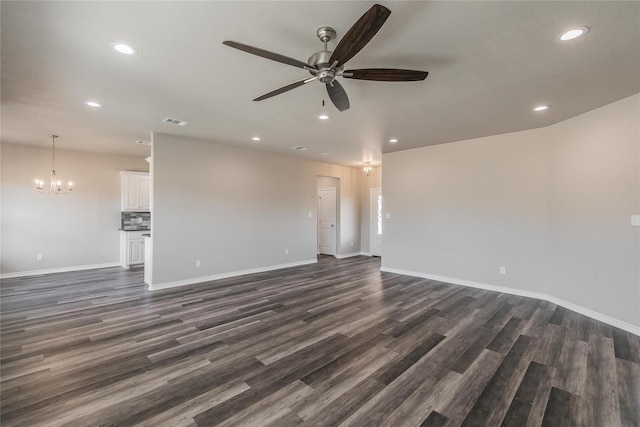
(123, 48)
(541, 108)
(393, 140)
(255, 138)
(93, 104)
(367, 168)
(323, 117)
(55, 186)
(298, 148)
(573, 33)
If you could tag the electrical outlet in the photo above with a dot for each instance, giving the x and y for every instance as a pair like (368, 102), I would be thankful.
(310, 214)
(635, 220)
(351, 244)
(286, 251)
(503, 270)
(198, 263)
(38, 257)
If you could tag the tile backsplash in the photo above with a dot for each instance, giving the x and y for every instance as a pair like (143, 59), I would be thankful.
(131, 221)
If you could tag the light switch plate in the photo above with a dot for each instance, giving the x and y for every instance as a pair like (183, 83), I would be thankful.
(387, 215)
(635, 220)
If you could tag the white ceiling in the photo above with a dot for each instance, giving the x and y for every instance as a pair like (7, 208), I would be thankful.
(489, 64)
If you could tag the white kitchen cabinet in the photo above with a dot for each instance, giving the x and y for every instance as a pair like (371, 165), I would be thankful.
(132, 247)
(144, 192)
(134, 191)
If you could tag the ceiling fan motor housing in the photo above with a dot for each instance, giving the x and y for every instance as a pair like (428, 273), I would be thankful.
(320, 61)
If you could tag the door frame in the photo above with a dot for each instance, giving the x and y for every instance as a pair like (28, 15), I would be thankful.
(373, 220)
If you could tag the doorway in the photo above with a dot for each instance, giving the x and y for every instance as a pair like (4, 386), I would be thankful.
(328, 190)
(375, 215)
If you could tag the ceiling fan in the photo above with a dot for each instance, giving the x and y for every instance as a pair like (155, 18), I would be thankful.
(326, 65)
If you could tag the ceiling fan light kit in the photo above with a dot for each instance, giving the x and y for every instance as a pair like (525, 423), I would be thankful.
(325, 65)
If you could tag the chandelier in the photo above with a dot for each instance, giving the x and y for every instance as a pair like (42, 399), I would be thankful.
(56, 186)
(367, 168)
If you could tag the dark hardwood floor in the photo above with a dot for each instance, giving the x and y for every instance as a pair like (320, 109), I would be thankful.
(337, 343)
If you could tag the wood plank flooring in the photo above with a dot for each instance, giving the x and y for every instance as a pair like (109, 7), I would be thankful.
(333, 344)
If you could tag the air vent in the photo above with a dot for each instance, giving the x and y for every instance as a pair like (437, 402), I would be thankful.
(299, 148)
(176, 122)
(141, 142)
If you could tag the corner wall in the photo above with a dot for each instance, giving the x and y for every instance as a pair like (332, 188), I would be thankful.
(78, 230)
(552, 205)
(237, 210)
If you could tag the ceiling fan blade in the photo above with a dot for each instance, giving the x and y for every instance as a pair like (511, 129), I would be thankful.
(284, 89)
(338, 95)
(360, 34)
(266, 54)
(386, 75)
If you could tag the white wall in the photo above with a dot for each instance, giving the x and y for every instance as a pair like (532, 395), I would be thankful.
(552, 205)
(74, 230)
(464, 209)
(236, 209)
(594, 187)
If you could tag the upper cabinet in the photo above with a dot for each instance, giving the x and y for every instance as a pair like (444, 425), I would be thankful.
(135, 191)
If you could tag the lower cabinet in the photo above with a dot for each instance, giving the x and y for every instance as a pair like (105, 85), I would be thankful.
(136, 251)
(131, 248)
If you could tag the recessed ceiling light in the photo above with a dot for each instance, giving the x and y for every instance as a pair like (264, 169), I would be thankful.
(323, 117)
(123, 48)
(573, 33)
(393, 140)
(326, 154)
(541, 108)
(299, 148)
(93, 104)
(255, 138)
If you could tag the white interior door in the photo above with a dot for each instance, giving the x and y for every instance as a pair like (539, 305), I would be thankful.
(327, 221)
(376, 221)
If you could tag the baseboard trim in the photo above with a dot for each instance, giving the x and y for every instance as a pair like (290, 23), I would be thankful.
(352, 254)
(530, 294)
(366, 254)
(58, 270)
(202, 279)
